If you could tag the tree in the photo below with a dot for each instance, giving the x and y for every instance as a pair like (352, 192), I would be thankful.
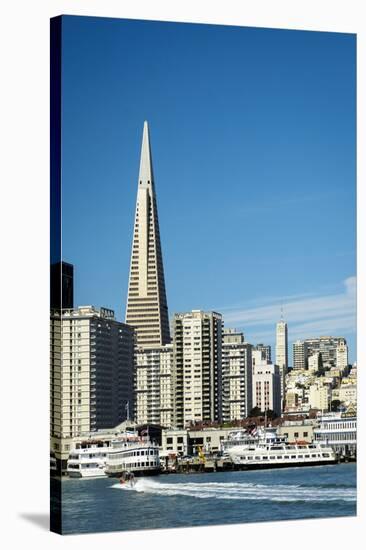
(255, 412)
(335, 404)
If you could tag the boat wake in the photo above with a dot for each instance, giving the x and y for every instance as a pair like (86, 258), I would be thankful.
(244, 491)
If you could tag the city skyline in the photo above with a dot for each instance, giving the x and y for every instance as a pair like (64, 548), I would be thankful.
(262, 190)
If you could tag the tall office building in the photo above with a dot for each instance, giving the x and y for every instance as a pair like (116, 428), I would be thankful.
(197, 375)
(153, 385)
(91, 371)
(147, 309)
(282, 353)
(236, 376)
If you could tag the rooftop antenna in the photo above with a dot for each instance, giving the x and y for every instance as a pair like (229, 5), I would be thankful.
(281, 312)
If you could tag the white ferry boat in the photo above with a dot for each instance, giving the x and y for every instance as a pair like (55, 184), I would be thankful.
(140, 457)
(272, 451)
(89, 461)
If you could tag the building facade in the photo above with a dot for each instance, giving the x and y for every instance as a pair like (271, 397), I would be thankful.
(154, 390)
(282, 354)
(197, 378)
(266, 350)
(267, 387)
(147, 309)
(236, 376)
(92, 366)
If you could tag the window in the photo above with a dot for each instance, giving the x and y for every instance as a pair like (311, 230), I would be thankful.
(169, 440)
(296, 434)
(305, 434)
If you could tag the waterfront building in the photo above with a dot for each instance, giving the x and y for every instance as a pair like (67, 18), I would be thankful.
(91, 371)
(339, 431)
(154, 385)
(236, 376)
(298, 430)
(197, 375)
(147, 309)
(266, 390)
(299, 355)
(266, 349)
(174, 442)
(282, 354)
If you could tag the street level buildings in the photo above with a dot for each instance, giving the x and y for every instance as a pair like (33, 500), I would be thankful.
(147, 309)
(236, 376)
(197, 378)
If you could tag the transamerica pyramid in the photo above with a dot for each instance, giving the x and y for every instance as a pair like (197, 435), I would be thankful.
(147, 309)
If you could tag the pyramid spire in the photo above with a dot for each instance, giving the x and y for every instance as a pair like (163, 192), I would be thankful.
(146, 176)
(147, 309)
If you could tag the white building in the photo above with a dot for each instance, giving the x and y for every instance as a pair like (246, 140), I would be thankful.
(338, 431)
(154, 385)
(348, 394)
(314, 362)
(236, 376)
(342, 355)
(267, 387)
(197, 367)
(319, 397)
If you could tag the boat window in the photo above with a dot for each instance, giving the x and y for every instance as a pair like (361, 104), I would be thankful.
(314, 455)
(249, 458)
(293, 456)
(325, 455)
(307, 456)
(272, 457)
(280, 457)
(265, 457)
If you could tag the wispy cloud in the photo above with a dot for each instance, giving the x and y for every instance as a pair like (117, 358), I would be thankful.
(307, 315)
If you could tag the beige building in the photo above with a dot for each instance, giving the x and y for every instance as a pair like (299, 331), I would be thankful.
(266, 389)
(314, 362)
(91, 374)
(319, 397)
(236, 376)
(197, 367)
(348, 394)
(147, 309)
(154, 386)
(298, 430)
(342, 355)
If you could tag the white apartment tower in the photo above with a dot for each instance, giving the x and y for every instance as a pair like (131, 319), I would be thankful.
(147, 309)
(153, 385)
(197, 367)
(236, 376)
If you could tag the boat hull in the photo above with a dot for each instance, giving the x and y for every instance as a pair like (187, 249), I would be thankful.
(261, 466)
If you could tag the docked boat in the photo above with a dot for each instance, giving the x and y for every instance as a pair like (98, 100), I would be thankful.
(139, 457)
(272, 451)
(89, 461)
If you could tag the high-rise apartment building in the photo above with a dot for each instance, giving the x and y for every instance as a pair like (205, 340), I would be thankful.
(267, 387)
(153, 385)
(197, 376)
(299, 355)
(236, 376)
(91, 371)
(330, 349)
(147, 309)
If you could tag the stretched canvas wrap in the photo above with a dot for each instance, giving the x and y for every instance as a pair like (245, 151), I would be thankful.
(203, 275)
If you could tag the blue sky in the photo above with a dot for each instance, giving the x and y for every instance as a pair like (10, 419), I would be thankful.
(253, 144)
